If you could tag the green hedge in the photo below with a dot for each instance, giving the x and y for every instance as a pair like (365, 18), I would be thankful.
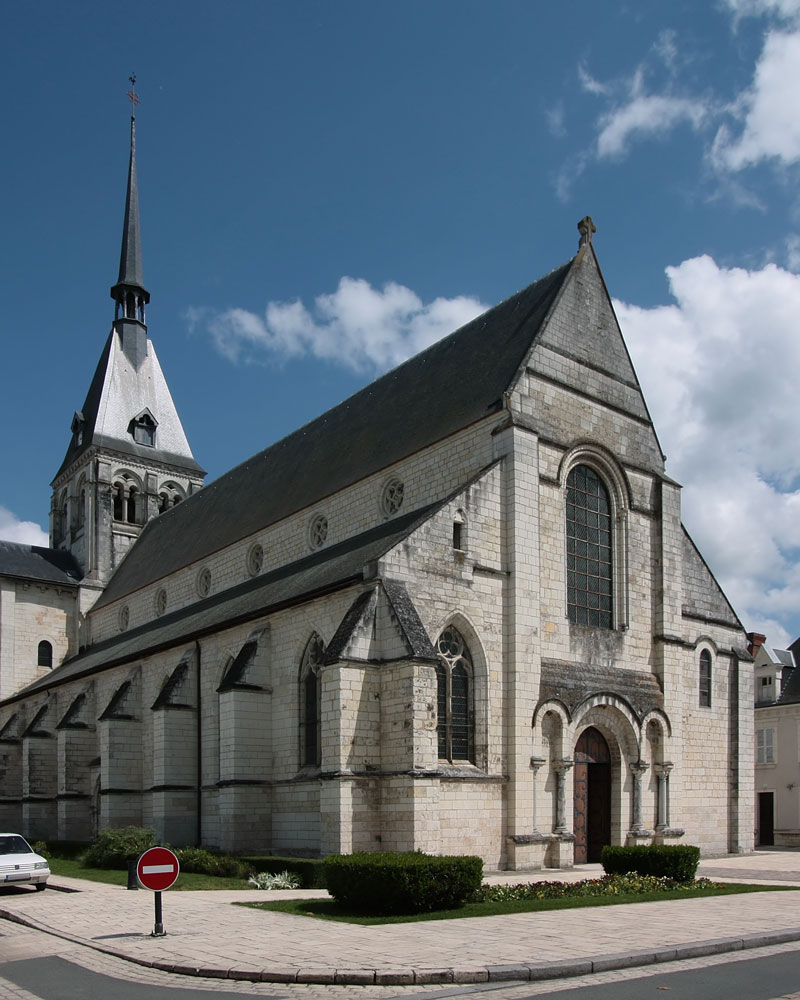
(676, 861)
(66, 849)
(310, 871)
(114, 848)
(385, 883)
(202, 862)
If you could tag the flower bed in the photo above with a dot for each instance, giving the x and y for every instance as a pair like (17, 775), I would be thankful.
(608, 885)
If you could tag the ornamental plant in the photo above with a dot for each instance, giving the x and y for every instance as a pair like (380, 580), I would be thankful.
(274, 880)
(629, 883)
(675, 861)
(412, 882)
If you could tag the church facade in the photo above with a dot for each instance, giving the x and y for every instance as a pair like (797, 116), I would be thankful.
(458, 613)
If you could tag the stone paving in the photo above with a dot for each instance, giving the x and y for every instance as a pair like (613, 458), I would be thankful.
(209, 938)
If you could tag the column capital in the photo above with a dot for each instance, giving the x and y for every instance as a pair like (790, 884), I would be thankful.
(537, 762)
(563, 765)
(663, 769)
(639, 767)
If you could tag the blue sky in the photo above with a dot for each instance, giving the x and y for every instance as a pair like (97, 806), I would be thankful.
(327, 187)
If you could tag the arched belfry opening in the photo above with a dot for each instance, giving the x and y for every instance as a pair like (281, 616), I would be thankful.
(592, 796)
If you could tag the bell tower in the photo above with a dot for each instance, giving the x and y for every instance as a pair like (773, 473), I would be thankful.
(128, 458)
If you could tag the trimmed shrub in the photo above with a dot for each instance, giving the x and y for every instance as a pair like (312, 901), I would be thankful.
(386, 883)
(675, 861)
(310, 871)
(203, 862)
(114, 848)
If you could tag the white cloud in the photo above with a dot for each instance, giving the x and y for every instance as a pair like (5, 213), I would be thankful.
(785, 9)
(643, 115)
(716, 371)
(26, 532)
(769, 108)
(635, 110)
(357, 326)
(736, 130)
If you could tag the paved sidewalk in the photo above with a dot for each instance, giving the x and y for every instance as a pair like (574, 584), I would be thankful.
(207, 936)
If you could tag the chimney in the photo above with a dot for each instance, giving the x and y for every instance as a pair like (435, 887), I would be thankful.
(754, 640)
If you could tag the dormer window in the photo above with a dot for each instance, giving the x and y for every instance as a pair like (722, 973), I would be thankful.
(78, 422)
(143, 429)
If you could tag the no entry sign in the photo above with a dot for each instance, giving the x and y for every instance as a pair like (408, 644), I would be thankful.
(157, 869)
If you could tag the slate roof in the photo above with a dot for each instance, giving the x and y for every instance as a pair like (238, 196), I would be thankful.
(32, 562)
(790, 695)
(326, 570)
(93, 438)
(702, 595)
(456, 382)
(130, 258)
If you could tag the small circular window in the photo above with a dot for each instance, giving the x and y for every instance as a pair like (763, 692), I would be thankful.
(318, 531)
(255, 559)
(161, 601)
(204, 582)
(124, 618)
(392, 499)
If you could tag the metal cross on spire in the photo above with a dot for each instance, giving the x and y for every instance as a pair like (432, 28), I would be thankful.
(133, 97)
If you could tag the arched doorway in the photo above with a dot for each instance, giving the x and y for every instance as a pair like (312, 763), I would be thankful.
(592, 785)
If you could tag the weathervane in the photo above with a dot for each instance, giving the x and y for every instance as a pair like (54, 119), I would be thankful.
(133, 97)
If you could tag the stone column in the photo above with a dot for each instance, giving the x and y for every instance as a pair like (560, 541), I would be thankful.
(662, 773)
(561, 767)
(638, 770)
(536, 763)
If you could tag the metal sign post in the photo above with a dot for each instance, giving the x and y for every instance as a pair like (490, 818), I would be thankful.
(157, 869)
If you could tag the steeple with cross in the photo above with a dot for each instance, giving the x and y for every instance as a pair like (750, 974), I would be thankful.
(128, 457)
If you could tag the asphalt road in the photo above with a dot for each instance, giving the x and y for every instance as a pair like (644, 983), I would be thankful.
(751, 979)
(54, 978)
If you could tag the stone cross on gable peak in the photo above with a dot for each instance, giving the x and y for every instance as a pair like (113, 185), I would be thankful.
(587, 229)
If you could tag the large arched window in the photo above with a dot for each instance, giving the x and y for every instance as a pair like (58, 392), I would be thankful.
(310, 743)
(705, 679)
(454, 697)
(589, 576)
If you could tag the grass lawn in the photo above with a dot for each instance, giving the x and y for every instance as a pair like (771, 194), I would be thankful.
(327, 909)
(187, 881)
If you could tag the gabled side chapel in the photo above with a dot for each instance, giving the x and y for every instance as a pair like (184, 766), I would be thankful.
(457, 612)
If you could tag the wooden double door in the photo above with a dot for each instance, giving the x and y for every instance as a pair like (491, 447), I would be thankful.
(592, 796)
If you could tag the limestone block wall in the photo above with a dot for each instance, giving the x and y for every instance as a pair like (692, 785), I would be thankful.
(29, 614)
(460, 804)
(39, 783)
(711, 785)
(77, 749)
(11, 783)
(426, 476)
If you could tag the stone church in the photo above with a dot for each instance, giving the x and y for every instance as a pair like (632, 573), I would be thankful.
(458, 612)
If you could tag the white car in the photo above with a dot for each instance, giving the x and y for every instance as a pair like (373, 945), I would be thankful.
(18, 863)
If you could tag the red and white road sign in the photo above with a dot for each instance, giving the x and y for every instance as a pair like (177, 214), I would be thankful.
(157, 869)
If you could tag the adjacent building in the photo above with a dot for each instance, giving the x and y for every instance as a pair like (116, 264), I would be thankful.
(777, 743)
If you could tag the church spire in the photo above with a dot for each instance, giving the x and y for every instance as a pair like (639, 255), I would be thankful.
(129, 292)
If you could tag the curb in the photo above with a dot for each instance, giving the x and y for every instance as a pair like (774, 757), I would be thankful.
(524, 972)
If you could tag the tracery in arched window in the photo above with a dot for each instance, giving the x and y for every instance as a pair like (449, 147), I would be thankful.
(454, 726)
(310, 742)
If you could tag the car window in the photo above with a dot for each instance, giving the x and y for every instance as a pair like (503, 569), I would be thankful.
(14, 845)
